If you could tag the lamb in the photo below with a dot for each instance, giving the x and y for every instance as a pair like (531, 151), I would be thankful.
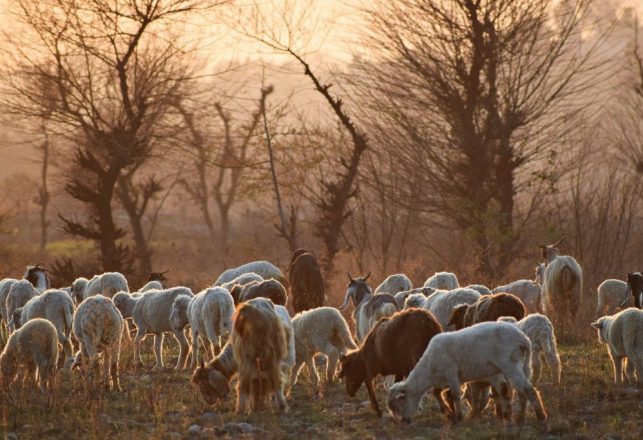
(56, 307)
(98, 326)
(562, 286)
(5, 286)
(527, 290)
(367, 308)
(241, 280)
(259, 347)
(306, 282)
(213, 379)
(635, 285)
(393, 347)
(487, 308)
(610, 295)
(209, 314)
(481, 289)
(401, 297)
(540, 332)
(443, 281)
(623, 334)
(441, 303)
(31, 351)
(271, 289)
(150, 313)
(106, 284)
(322, 330)
(19, 294)
(394, 284)
(264, 269)
(486, 351)
(38, 278)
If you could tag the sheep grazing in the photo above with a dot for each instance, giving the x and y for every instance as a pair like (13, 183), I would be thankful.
(213, 378)
(209, 314)
(635, 285)
(610, 297)
(401, 297)
(271, 289)
(441, 303)
(486, 351)
(264, 269)
(528, 291)
(19, 294)
(320, 331)
(56, 307)
(98, 326)
(623, 334)
(38, 278)
(367, 308)
(394, 284)
(562, 286)
(259, 347)
(106, 284)
(241, 280)
(393, 347)
(540, 332)
(306, 282)
(150, 313)
(442, 281)
(31, 349)
(481, 289)
(487, 308)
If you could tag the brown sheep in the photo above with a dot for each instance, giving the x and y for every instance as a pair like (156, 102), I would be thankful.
(271, 289)
(488, 308)
(259, 346)
(393, 347)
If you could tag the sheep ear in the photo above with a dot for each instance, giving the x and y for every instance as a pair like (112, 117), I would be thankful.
(597, 325)
(367, 276)
(350, 278)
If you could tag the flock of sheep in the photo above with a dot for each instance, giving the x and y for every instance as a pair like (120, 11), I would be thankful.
(441, 337)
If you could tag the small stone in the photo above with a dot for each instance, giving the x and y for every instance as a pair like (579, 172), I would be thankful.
(209, 419)
(194, 429)
(365, 404)
(12, 436)
(172, 417)
(244, 428)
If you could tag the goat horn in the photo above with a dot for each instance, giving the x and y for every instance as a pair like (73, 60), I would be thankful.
(350, 278)
(559, 241)
(366, 277)
(166, 271)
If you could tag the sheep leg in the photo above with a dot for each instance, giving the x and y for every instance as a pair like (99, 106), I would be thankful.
(158, 350)
(140, 335)
(179, 335)
(195, 350)
(629, 370)
(617, 362)
(331, 363)
(116, 384)
(517, 378)
(536, 367)
(454, 387)
(477, 390)
(281, 398)
(444, 407)
(107, 362)
(242, 397)
(295, 371)
(373, 397)
(312, 370)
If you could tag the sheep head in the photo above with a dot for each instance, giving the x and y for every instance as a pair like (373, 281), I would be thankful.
(457, 316)
(549, 252)
(212, 384)
(400, 404)
(353, 371)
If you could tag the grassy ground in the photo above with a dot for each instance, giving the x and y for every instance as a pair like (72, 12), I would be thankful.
(163, 404)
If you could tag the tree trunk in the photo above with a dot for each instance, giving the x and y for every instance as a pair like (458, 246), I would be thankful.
(43, 194)
(110, 255)
(143, 253)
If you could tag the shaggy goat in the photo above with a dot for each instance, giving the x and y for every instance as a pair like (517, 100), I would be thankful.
(31, 351)
(562, 285)
(213, 378)
(623, 334)
(56, 307)
(322, 330)
(259, 347)
(634, 285)
(393, 347)
(98, 326)
(612, 295)
(487, 308)
(367, 308)
(306, 283)
(442, 281)
(394, 284)
(487, 351)
(38, 278)
(264, 269)
(441, 303)
(151, 315)
(540, 332)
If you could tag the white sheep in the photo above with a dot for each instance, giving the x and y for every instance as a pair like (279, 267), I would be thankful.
(415, 300)
(98, 326)
(394, 284)
(209, 314)
(56, 307)
(5, 286)
(528, 291)
(562, 287)
(106, 284)
(241, 280)
(264, 269)
(443, 281)
(400, 297)
(480, 288)
(151, 315)
(485, 351)
(320, 331)
(612, 295)
(540, 332)
(623, 334)
(441, 303)
(31, 351)
(150, 285)
(20, 292)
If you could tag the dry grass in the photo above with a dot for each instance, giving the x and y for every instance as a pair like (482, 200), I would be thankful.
(162, 404)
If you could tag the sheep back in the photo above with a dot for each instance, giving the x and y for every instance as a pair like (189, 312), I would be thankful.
(488, 308)
(271, 289)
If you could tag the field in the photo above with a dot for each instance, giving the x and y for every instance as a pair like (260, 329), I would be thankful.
(163, 404)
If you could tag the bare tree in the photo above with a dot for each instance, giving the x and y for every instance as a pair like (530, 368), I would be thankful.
(43, 197)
